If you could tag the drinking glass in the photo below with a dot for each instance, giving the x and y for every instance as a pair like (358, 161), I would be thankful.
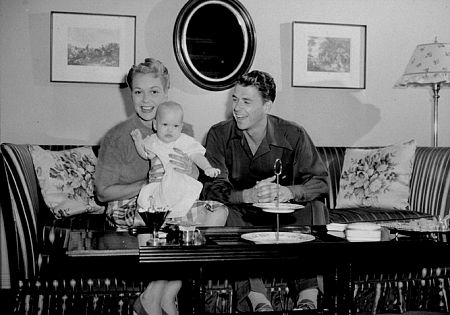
(154, 219)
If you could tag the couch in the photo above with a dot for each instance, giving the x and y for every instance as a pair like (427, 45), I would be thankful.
(429, 187)
(30, 227)
(429, 197)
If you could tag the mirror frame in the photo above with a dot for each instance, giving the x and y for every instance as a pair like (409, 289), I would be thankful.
(182, 55)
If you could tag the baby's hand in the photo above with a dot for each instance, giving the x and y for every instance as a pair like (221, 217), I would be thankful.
(136, 135)
(212, 172)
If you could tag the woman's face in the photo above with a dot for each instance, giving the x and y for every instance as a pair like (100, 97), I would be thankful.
(147, 93)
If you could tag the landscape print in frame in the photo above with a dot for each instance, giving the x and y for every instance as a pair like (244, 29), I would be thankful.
(326, 55)
(91, 48)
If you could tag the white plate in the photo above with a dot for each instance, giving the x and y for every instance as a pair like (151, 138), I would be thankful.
(284, 237)
(282, 207)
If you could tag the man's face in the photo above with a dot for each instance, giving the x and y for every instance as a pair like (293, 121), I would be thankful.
(249, 108)
(147, 93)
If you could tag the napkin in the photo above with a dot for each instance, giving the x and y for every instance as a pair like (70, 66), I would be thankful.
(338, 227)
(363, 232)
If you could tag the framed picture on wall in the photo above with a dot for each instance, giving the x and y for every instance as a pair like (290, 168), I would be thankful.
(91, 48)
(326, 55)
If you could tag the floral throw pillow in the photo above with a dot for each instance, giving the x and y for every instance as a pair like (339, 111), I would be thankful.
(66, 179)
(377, 178)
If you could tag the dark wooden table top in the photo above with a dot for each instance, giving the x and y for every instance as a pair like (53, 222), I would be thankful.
(224, 244)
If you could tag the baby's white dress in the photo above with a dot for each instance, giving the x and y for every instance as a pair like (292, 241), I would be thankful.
(176, 190)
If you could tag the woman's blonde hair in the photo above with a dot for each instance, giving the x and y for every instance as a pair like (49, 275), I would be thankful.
(152, 66)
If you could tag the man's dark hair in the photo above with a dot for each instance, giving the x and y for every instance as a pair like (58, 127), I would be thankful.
(262, 81)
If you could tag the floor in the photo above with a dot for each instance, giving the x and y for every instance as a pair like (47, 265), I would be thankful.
(8, 301)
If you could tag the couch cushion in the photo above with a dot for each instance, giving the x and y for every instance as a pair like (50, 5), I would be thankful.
(351, 215)
(66, 180)
(377, 178)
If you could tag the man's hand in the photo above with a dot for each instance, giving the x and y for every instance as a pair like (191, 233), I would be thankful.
(266, 191)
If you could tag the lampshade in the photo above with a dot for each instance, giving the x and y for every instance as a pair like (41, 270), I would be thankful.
(429, 64)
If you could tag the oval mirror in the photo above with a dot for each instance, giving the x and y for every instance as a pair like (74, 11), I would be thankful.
(214, 42)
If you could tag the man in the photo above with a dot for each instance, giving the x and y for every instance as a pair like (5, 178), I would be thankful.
(245, 148)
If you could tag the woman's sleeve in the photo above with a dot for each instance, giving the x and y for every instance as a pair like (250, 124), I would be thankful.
(108, 162)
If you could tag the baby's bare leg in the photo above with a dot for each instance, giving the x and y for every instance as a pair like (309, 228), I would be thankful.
(169, 296)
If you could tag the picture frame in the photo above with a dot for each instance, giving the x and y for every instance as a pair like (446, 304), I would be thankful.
(328, 55)
(91, 48)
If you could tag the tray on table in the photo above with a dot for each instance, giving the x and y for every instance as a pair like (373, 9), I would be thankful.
(418, 229)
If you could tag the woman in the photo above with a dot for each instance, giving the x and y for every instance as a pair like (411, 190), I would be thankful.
(121, 172)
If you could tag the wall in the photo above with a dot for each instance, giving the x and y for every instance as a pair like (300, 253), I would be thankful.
(34, 110)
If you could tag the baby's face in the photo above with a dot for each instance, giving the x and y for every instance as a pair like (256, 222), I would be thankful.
(168, 125)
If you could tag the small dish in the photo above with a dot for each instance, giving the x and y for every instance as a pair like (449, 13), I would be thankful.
(416, 227)
(415, 231)
(282, 207)
(270, 237)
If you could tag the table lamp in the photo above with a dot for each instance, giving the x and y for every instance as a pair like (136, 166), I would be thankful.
(429, 66)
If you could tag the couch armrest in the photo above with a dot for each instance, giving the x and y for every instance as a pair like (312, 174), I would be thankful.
(25, 212)
(430, 181)
(20, 206)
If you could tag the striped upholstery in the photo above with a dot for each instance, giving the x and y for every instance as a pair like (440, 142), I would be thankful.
(430, 181)
(26, 214)
(24, 206)
(333, 157)
(28, 221)
(430, 185)
(350, 215)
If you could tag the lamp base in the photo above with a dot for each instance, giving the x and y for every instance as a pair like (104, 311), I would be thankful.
(436, 88)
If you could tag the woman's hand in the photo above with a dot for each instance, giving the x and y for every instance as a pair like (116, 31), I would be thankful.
(266, 191)
(182, 163)
(156, 172)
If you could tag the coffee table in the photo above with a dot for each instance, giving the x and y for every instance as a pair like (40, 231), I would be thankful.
(225, 255)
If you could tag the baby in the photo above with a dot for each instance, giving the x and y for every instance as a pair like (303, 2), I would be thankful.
(176, 190)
